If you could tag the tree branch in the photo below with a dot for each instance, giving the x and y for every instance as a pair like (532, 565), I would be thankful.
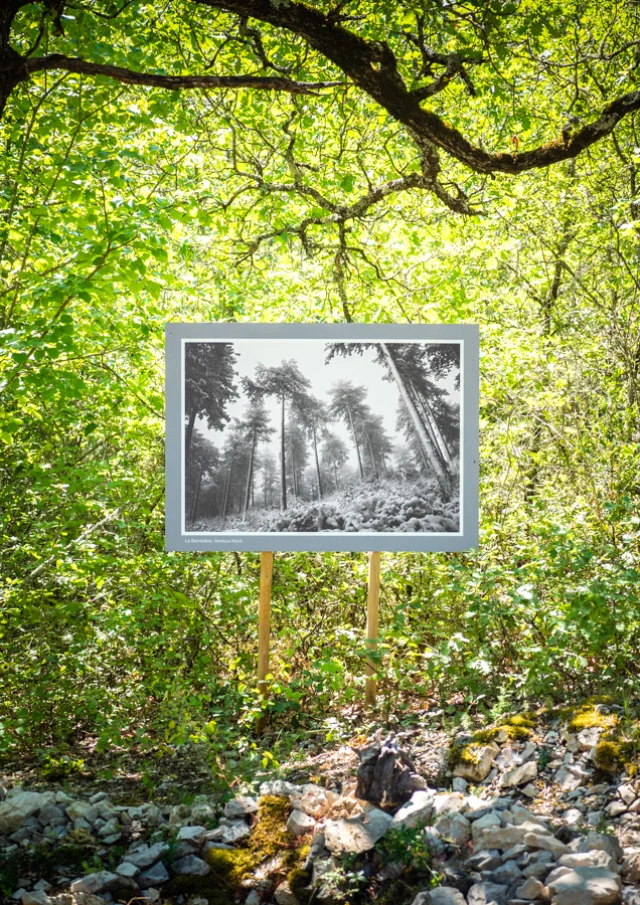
(172, 82)
(371, 66)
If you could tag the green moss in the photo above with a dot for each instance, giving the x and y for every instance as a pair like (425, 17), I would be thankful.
(230, 867)
(299, 880)
(587, 717)
(613, 754)
(516, 728)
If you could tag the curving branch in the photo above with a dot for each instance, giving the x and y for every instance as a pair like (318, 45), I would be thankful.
(172, 82)
(372, 66)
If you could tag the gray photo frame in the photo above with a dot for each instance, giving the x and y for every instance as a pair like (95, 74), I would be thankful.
(209, 536)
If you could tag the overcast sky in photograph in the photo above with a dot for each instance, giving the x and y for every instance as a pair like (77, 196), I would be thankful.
(310, 355)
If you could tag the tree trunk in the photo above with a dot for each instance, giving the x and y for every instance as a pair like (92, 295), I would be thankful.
(187, 442)
(431, 422)
(335, 475)
(373, 461)
(194, 505)
(249, 476)
(225, 501)
(424, 439)
(355, 440)
(283, 470)
(315, 451)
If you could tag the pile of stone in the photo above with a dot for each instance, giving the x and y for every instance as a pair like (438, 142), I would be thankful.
(514, 821)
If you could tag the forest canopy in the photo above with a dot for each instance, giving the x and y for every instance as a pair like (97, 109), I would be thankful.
(259, 161)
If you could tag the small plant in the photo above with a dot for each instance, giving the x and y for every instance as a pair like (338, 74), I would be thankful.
(56, 768)
(407, 846)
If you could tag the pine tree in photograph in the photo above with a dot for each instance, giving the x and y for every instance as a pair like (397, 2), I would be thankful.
(348, 404)
(334, 454)
(256, 426)
(314, 418)
(209, 385)
(201, 466)
(287, 383)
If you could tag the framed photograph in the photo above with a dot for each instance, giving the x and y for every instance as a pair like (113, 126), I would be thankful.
(322, 437)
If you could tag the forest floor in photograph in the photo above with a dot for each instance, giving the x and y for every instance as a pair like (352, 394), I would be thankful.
(386, 505)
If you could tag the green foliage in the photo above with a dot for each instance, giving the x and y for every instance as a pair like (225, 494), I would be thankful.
(407, 846)
(126, 208)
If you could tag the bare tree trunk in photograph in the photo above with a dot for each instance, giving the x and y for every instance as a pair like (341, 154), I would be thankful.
(431, 422)
(424, 438)
(335, 474)
(294, 479)
(187, 442)
(283, 473)
(249, 476)
(194, 506)
(355, 440)
(373, 460)
(225, 501)
(427, 426)
(315, 452)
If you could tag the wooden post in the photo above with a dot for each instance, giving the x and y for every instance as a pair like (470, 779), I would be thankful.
(373, 600)
(264, 626)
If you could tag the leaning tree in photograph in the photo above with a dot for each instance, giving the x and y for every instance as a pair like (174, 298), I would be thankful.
(209, 385)
(390, 356)
(288, 384)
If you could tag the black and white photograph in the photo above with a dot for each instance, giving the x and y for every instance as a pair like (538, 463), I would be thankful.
(304, 436)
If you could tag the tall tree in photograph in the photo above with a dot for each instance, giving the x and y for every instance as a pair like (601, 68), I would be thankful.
(378, 442)
(334, 453)
(201, 466)
(348, 404)
(287, 383)
(256, 426)
(209, 385)
(269, 476)
(390, 356)
(420, 363)
(314, 418)
(297, 455)
(232, 460)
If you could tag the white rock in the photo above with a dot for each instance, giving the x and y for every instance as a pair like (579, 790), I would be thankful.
(83, 810)
(546, 842)
(530, 889)
(229, 834)
(585, 886)
(627, 793)
(455, 827)
(486, 893)
(94, 883)
(572, 816)
(314, 801)
(616, 808)
(520, 775)
(417, 810)
(567, 780)
(588, 738)
(241, 806)
(475, 772)
(15, 809)
(600, 842)
(153, 875)
(442, 895)
(35, 898)
(144, 857)
(191, 866)
(483, 823)
(192, 834)
(459, 784)
(504, 837)
(284, 896)
(357, 834)
(127, 870)
(448, 801)
(300, 823)
(594, 858)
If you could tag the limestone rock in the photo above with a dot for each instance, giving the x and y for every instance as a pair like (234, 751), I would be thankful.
(546, 842)
(241, 806)
(455, 827)
(97, 882)
(519, 775)
(417, 810)
(153, 875)
(530, 889)
(192, 834)
(146, 856)
(443, 895)
(300, 823)
(191, 866)
(229, 834)
(478, 770)
(16, 809)
(593, 858)
(485, 893)
(284, 895)
(600, 842)
(314, 801)
(585, 886)
(357, 834)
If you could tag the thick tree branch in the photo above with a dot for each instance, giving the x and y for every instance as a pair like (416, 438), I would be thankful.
(172, 82)
(371, 66)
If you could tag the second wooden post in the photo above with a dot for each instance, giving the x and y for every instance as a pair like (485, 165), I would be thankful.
(373, 604)
(264, 626)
